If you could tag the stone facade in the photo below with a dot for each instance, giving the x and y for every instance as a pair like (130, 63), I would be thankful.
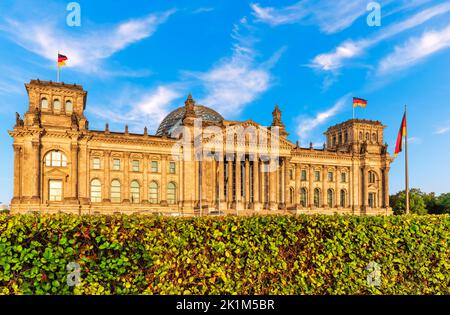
(60, 165)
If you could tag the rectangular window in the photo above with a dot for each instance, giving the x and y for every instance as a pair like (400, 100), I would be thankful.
(116, 165)
(317, 176)
(343, 177)
(330, 176)
(55, 190)
(135, 165)
(154, 166)
(303, 175)
(96, 163)
(371, 200)
(172, 167)
(291, 174)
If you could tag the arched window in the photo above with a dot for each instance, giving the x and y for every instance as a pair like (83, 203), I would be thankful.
(291, 195)
(317, 197)
(171, 193)
(303, 197)
(55, 159)
(69, 106)
(56, 105)
(343, 201)
(367, 136)
(153, 192)
(360, 135)
(135, 190)
(115, 191)
(372, 177)
(330, 198)
(96, 190)
(374, 137)
(44, 103)
(346, 137)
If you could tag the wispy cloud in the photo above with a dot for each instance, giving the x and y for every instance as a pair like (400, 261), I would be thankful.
(414, 140)
(350, 49)
(415, 50)
(237, 80)
(147, 109)
(307, 124)
(203, 10)
(330, 16)
(86, 51)
(442, 130)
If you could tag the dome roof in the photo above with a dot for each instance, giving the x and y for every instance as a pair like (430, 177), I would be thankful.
(175, 118)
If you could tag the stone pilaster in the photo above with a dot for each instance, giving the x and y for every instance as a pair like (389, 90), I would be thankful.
(273, 185)
(238, 181)
(247, 184)
(163, 170)
(18, 169)
(126, 183)
(35, 193)
(256, 186)
(107, 178)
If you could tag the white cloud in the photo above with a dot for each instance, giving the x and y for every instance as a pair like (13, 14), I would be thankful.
(85, 51)
(414, 140)
(415, 50)
(307, 124)
(330, 16)
(237, 80)
(147, 109)
(349, 49)
(442, 130)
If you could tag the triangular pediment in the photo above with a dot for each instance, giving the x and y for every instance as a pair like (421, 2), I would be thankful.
(55, 172)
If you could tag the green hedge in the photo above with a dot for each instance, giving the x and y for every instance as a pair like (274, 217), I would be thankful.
(224, 255)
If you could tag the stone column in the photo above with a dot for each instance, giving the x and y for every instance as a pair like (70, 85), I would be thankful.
(256, 198)
(273, 165)
(263, 174)
(163, 201)
(238, 181)
(222, 202)
(17, 174)
(35, 194)
(107, 180)
(386, 187)
(230, 183)
(247, 184)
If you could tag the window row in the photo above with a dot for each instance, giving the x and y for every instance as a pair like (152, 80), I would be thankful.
(56, 105)
(317, 201)
(135, 192)
(317, 176)
(317, 198)
(135, 165)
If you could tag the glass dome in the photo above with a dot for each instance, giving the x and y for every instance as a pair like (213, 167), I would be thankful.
(175, 118)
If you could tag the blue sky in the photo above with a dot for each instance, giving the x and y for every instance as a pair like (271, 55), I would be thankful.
(139, 61)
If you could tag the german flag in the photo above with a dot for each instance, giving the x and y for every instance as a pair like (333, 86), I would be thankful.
(401, 134)
(359, 102)
(61, 60)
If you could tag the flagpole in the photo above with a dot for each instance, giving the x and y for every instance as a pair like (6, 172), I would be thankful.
(57, 72)
(406, 168)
